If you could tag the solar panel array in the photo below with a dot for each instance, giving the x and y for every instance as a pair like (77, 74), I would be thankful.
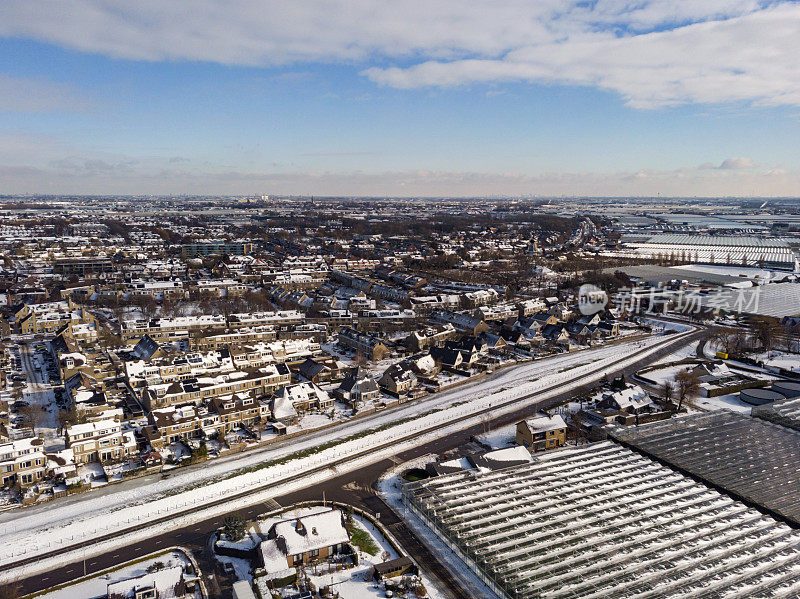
(750, 458)
(603, 521)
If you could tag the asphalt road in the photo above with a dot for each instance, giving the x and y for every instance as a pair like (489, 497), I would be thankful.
(353, 488)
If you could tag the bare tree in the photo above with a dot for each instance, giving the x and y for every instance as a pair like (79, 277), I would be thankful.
(668, 390)
(765, 330)
(687, 383)
(33, 415)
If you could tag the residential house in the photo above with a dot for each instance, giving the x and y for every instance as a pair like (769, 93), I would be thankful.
(100, 441)
(358, 387)
(306, 396)
(632, 399)
(296, 541)
(399, 379)
(542, 431)
(22, 462)
(463, 322)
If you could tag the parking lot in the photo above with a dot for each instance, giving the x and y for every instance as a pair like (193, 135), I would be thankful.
(32, 402)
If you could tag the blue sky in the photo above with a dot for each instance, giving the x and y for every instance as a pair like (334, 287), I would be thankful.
(613, 97)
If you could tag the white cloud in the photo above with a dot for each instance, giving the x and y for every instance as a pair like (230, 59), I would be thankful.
(749, 58)
(737, 163)
(652, 52)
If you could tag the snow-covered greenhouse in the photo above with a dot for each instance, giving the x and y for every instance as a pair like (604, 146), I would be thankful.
(603, 521)
(748, 458)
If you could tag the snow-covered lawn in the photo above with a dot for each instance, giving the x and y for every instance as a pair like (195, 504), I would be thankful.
(92, 473)
(668, 373)
(499, 438)
(97, 585)
(728, 402)
(777, 359)
(186, 493)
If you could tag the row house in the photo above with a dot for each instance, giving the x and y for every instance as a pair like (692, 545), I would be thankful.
(428, 303)
(233, 337)
(499, 312)
(96, 366)
(254, 319)
(463, 322)
(369, 346)
(390, 294)
(481, 297)
(193, 250)
(82, 332)
(430, 337)
(141, 373)
(360, 302)
(171, 289)
(219, 417)
(222, 287)
(298, 280)
(350, 264)
(284, 351)
(352, 281)
(171, 329)
(287, 298)
(316, 331)
(530, 307)
(82, 266)
(37, 319)
(22, 462)
(199, 390)
(239, 411)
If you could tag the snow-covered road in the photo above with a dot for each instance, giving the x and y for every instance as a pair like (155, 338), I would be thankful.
(60, 525)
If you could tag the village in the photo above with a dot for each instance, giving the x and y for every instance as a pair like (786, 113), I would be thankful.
(246, 341)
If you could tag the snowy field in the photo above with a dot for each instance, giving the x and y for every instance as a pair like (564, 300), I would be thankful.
(185, 494)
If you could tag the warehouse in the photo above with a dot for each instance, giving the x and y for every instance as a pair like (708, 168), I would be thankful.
(603, 521)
